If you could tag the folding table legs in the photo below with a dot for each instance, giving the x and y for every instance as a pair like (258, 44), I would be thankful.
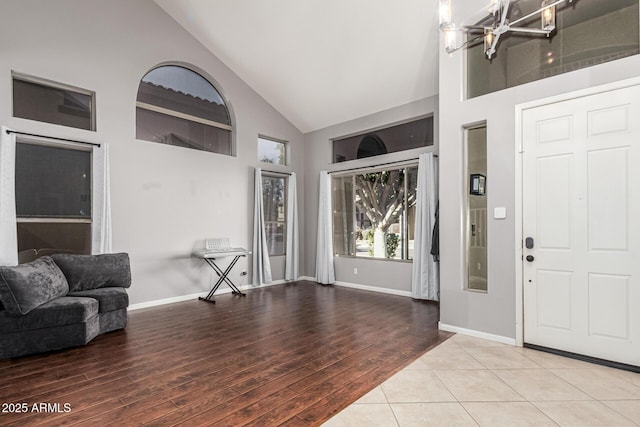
(223, 277)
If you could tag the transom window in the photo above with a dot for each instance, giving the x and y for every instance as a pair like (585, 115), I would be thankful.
(374, 212)
(43, 100)
(271, 150)
(588, 32)
(177, 106)
(414, 134)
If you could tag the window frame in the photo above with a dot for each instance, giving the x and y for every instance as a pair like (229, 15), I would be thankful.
(35, 219)
(431, 138)
(402, 165)
(40, 81)
(285, 144)
(285, 178)
(195, 119)
(475, 52)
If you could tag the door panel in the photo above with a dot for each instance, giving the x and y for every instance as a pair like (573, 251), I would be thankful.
(581, 194)
(554, 203)
(554, 299)
(608, 174)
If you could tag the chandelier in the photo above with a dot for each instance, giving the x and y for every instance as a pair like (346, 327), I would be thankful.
(498, 23)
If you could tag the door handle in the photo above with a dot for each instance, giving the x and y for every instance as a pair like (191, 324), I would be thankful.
(530, 258)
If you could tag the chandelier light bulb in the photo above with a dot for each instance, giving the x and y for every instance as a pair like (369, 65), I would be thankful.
(445, 13)
(548, 16)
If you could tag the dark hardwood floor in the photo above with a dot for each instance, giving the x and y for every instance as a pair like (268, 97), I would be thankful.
(292, 354)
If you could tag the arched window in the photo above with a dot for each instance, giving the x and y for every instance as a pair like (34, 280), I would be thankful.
(177, 106)
(371, 145)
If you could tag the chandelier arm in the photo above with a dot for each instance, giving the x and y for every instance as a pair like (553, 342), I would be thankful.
(555, 3)
(529, 30)
(505, 12)
(464, 44)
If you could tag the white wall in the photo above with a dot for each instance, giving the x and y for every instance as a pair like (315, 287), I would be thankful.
(164, 198)
(393, 275)
(493, 312)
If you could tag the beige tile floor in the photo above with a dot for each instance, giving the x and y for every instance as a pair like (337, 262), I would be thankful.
(468, 381)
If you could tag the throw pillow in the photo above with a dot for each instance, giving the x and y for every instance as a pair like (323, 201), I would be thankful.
(27, 286)
(84, 272)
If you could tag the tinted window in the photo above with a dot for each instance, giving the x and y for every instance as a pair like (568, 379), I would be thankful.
(415, 134)
(52, 182)
(588, 32)
(177, 106)
(39, 101)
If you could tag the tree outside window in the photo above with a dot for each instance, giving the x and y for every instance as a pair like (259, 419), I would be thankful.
(275, 221)
(374, 213)
(272, 151)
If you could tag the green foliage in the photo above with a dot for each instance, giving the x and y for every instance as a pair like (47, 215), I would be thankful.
(392, 241)
(368, 234)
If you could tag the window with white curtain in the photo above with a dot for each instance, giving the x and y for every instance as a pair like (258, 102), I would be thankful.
(53, 198)
(274, 197)
(374, 211)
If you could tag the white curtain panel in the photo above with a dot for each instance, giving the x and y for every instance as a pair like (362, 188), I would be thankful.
(8, 232)
(425, 283)
(101, 226)
(325, 273)
(261, 263)
(293, 245)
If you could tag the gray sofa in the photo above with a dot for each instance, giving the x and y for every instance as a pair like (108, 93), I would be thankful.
(61, 301)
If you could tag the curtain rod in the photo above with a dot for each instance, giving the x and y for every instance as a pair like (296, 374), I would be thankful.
(276, 173)
(377, 165)
(52, 137)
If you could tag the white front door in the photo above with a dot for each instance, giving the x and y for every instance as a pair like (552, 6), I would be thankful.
(581, 211)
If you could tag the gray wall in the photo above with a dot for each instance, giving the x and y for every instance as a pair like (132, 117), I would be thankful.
(493, 312)
(163, 198)
(392, 275)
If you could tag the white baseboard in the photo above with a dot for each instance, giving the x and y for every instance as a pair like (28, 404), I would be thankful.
(181, 298)
(477, 334)
(157, 302)
(363, 287)
(222, 291)
(374, 289)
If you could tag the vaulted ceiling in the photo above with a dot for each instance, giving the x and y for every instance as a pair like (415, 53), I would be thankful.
(321, 62)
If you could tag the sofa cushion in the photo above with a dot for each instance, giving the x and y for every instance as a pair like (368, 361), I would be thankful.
(58, 312)
(27, 286)
(22, 343)
(84, 272)
(109, 299)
